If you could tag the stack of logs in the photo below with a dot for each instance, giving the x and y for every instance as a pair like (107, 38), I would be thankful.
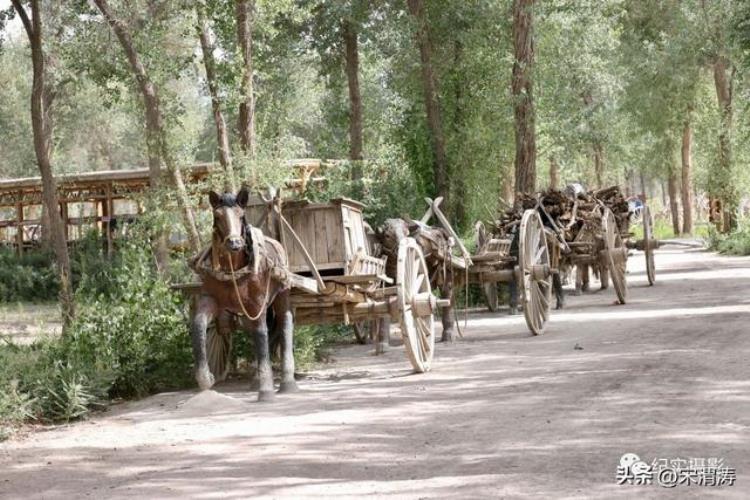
(569, 213)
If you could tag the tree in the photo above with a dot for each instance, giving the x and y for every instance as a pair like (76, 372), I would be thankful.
(209, 63)
(158, 148)
(351, 50)
(42, 97)
(523, 97)
(431, 97)
(686, 186)
(246, 121)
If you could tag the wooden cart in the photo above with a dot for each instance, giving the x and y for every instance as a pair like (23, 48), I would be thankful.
(497, 261)
(595, 233)
(335, 280)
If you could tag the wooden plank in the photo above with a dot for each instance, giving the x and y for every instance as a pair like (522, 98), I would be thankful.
(356, 279)
(320, 236)
(334, 222)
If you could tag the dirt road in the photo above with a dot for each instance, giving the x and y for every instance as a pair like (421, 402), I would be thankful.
(503, 414)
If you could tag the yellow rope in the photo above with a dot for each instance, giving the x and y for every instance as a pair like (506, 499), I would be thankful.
(239, 298)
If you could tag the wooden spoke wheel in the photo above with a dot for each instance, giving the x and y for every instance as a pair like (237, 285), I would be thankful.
(536, 276)
(416, 304)
(648, 248)
(219, 352)
(490, 295)
(616, 255)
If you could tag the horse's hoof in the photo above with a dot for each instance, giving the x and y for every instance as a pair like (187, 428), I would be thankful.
(266, 396)
(288, 387)
(205, 379)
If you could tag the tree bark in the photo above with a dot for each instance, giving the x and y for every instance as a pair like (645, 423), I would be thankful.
(723, 187)
(42, 132)
(431, 98)
(687, 190)
(222, 134)
(459, 180)
(554, 173)
(523, 98)
(156, 132)
(599, 164)
(246, 123)
(674, 208)
(351, 49)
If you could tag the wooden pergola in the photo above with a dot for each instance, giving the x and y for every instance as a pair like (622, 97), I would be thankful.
(102, 199)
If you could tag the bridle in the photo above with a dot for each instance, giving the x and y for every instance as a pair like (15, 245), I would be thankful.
(243, 233)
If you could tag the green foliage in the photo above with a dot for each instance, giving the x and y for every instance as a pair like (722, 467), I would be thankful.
(734, 243)
(129, 339)
(27, 277)
(387, 187)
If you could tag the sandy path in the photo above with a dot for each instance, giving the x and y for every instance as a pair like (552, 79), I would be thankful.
(503, 414)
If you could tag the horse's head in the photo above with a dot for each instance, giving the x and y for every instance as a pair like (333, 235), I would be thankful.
(391, 234)
(229, 218)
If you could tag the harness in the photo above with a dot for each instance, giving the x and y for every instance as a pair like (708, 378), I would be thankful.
(205, 265)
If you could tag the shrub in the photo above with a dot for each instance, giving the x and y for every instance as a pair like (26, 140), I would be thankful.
(734, 243)
(129, 339)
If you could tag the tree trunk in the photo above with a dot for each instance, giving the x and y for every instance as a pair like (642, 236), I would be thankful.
(674, 208)
(246, 123)
(156, 133)
(523, 99)
(42, 132)
(687, 190)
(222, 135)
(431, 98)
(644, 194)
(459, 180)
(554, 173)
(508, 191)
(599, 164)
(351, 50)
(722, 187)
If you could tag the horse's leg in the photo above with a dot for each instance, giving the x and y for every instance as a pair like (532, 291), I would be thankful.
(559, 293)
(264, 374)
(285, 327)
(585, 277)
(382, 342)
(513, 289)
(446, 291)
(205, 311)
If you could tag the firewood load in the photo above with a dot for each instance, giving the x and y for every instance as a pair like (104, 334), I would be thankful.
(569, 214)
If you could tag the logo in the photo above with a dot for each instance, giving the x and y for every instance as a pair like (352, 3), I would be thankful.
(672, 472)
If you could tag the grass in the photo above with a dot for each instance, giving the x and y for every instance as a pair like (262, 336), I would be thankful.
(663, 230)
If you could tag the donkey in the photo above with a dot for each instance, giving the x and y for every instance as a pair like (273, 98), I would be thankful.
(238, 278)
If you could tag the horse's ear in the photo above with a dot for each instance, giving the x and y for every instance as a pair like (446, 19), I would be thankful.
(214, 199)
(242, 197)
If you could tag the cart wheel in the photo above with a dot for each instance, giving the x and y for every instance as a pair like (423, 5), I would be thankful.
(414, 291)
(648, 236)
(219, 352)
(617, 255)
(364, 331)
(536, 278)
(490, 295)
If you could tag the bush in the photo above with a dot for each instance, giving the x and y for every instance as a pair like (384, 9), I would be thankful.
(129, 339)
(734, 243)
(27, 277)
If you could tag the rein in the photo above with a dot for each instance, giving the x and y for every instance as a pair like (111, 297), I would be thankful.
(237, 291)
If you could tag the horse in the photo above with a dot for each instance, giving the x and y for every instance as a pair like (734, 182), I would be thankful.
(430, 240)
(238, 278)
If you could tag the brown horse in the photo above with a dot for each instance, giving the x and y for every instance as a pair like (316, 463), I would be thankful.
(238, 278)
